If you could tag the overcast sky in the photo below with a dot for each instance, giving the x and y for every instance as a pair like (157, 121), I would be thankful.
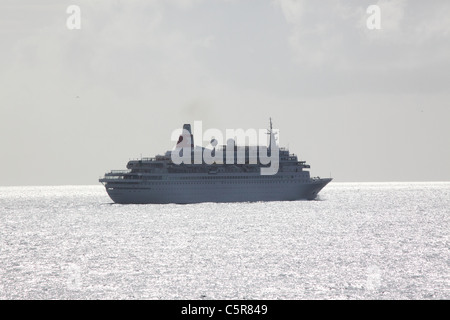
(359, 104)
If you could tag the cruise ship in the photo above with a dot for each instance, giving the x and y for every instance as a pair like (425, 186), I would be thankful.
(161, 180)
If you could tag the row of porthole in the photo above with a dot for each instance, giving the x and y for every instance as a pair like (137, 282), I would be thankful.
(222, 182)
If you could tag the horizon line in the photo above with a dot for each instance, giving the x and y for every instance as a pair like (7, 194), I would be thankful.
(332, 182)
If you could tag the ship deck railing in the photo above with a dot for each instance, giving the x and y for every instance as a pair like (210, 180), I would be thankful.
(143, 159)
(151, 159)
(116, 172)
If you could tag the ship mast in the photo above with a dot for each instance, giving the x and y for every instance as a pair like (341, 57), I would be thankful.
(272, 136)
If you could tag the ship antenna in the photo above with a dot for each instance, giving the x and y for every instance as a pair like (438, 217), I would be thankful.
(270, 126)
(270, 133)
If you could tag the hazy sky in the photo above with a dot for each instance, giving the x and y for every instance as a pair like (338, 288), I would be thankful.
(363, 105)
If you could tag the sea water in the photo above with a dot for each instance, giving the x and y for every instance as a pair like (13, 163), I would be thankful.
(356, 241)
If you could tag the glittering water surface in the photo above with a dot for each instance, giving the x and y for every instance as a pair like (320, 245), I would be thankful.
(358, 241)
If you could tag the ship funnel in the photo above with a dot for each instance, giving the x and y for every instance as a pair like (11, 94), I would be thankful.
(186, 138)
(187, 127)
